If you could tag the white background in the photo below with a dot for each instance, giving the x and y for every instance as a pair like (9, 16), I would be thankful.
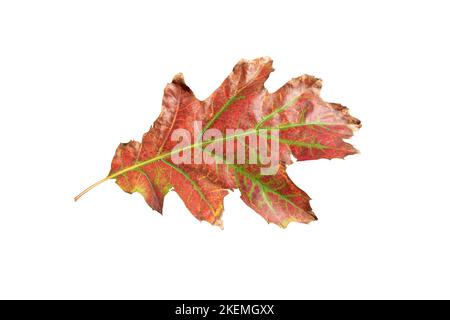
(78, 77)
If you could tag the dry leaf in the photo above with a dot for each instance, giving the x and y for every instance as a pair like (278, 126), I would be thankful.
(272, 128)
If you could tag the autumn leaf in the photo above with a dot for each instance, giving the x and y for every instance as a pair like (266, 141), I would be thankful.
(241, 137)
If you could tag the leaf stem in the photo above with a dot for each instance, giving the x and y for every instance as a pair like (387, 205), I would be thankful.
(91, 187)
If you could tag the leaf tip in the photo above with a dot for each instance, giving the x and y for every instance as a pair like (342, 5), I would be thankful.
(309, 217)
(178, 80)
(218, 223)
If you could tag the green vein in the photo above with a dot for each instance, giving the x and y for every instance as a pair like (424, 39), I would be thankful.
(228, 103)
(275, 112)
(263, 187)
(309, 145)
(194, 184)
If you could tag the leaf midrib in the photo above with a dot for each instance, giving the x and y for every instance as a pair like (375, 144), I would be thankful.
(227, 104)
(206, 142)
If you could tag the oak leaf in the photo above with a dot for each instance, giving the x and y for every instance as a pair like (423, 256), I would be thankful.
(307, 128)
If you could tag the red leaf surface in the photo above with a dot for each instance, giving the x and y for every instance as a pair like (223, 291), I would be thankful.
(307, 128)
